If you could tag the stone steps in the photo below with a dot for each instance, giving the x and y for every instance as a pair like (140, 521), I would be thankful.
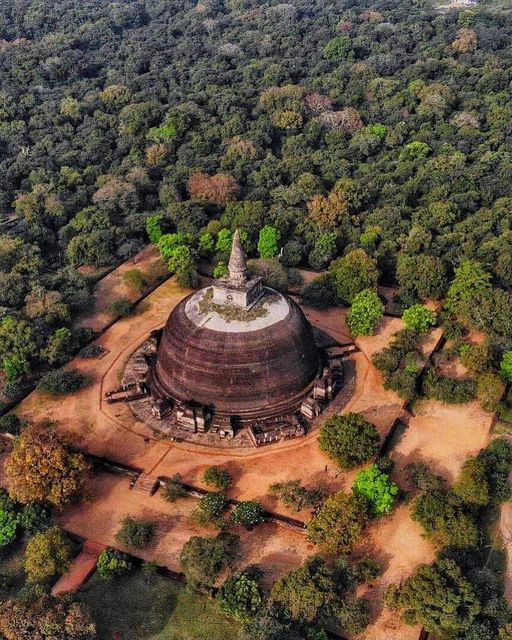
(146, 484)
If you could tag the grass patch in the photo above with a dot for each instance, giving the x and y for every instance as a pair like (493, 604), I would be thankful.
(142, 607)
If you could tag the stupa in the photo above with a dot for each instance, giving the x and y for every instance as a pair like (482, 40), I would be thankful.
(235, 356)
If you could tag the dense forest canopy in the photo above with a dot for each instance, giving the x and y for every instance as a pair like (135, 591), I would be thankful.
(378, 125)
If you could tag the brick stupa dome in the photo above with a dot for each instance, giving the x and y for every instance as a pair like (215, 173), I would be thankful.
(238, 347)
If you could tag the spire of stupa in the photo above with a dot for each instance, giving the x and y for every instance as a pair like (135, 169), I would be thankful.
(237, 265)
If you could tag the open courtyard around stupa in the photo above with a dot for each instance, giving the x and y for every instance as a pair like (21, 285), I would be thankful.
(138, 457)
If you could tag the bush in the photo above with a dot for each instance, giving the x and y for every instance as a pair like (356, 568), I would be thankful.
(497, 457)
(477, 358)
(293, 254)
(62, 381)
(318, 294)
(120, 308)
(268, 243)
(135, 279)
(349, 440)
(489, 389)
(210, 509)
(472, 485)
(91, 351)
(376, 487)
(249, 514)
(448, 390)
(113, 564)
(36, 517)
(422, 479)
(174, 489)
(48, 554)
(10, 423)
(339, 523)
(419, 318)
(294, 495)
(136, 533)
(240, 595)
(218, 477)
(367, 569)
(365, 313)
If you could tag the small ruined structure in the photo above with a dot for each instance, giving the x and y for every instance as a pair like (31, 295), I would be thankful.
(235, 357)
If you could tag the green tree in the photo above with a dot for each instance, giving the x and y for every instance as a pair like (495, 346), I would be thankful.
(438, 597)
(349, 439)
(419, 318)
(339, 523)
(365, 313)
(35, 518)
(241, 595)
(153, 227)
(17, 339)
(113, 564)
(506, 366)
(60, 346)
(218, 477)
(48, 554)
(377, 488)
(203, 559)
(59, 382)
(339, 49)
(268, 243)
(352, 273)
(136, 533)
(210, 509)
(14, 368)
(9, 525)
(469, 293)
(321, 592)
(445, 519)
(249, 514)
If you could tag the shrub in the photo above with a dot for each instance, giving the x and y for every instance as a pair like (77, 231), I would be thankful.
(174, 489)
(497, 457)
(294, 495)
(48, 554)
(240, 595)
(472, 485)
(113, 564)
(448, 390)
(218, 477)
(422, 479)
(135, 279)
(293, 254)
(9, 524)
(365, 313)
(318, 294)
(249, 514)
(210, 509)
(489, 389)
(349, 439)
(339, 523)
(352, 274)
(62, 381)
(367, 569)
(136, 533)
(419, 318)
(220, 270)
(120, 308)
(10, 423)
(477, 358)
(36, 517)
(376, 487)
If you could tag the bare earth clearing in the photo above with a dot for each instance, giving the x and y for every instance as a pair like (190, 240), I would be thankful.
(439, 434)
